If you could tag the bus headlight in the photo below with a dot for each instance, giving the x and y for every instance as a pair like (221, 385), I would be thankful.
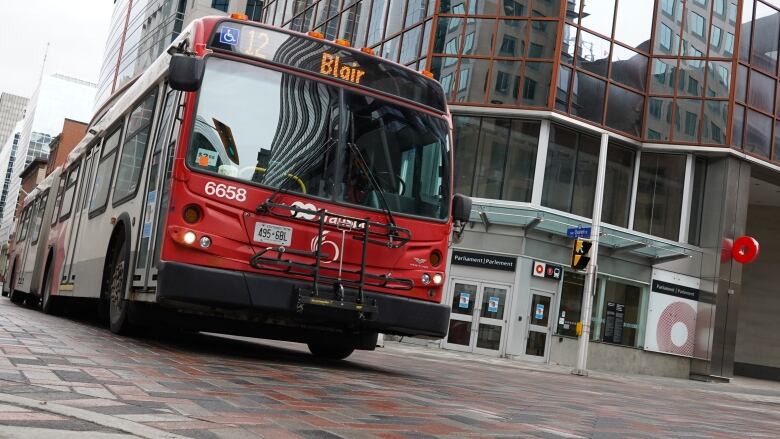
(205, 241)
(438, 278)
(426, 278)
(189, 237)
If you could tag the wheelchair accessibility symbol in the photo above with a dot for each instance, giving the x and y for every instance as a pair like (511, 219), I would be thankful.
(229, 35)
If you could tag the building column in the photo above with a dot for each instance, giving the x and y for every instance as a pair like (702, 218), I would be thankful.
(723, 219)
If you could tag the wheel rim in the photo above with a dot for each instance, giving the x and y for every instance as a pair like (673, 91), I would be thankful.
(115, 289)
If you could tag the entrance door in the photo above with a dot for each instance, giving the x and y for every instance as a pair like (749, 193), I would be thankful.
(537, 344)
(477, 321)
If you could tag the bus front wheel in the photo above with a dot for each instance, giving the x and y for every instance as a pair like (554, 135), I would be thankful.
(116, 279)
(330, 350)
(49, 304)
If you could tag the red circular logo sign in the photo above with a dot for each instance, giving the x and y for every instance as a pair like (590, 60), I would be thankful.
(539, 268)
(745, 249)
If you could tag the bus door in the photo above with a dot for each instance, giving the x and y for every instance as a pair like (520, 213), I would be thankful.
(157, 188)
(75, 211)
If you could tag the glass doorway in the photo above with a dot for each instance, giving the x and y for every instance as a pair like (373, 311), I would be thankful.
(478, 317)
(537, 344)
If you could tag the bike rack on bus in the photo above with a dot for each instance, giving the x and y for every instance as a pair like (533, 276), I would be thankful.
(363, 230)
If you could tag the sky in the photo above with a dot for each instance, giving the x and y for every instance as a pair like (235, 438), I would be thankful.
(75, 29)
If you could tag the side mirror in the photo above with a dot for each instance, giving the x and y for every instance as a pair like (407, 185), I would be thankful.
(461, 208)
(185, 72)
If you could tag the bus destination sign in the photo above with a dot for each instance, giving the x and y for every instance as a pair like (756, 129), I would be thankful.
(326, 59)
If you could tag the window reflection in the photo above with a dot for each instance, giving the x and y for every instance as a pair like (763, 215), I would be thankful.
(625, 109)
(659, 118)
(691, 78)
(448, 35)
(663, 76)
(511, 38)
(762, 91)
(570, 173)
(618, 179)
(478, 37)
(536, 83)
(543, 39)
(472, 80)
(592, 53)
(763, 54)
(628, 67)
(597, 16)
(505, 83)
(759, 134)
(668, 25)
(715, 120)
(687, 116)
(587, 97)
(746, 29)
(634, 22)
(659, 195)
(737, 125)
(718, 79)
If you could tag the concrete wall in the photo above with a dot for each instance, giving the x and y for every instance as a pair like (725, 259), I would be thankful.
(613, 358)
(758, 340)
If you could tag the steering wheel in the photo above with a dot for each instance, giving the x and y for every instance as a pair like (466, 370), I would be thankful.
(384, 179)
(294, 177)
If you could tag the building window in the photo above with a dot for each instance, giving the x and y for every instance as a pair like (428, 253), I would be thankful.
(666, 38)
(508, 46)
(659, 195)
(696, 24)
(497, 157)
(570, 174)
(697, 201)
(668, 7)
(254, 10)
(502, 82)
(514, 8)
(222, 5)
(618, 181)
(619, 313)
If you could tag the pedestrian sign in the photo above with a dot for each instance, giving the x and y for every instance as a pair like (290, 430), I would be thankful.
(580, 255)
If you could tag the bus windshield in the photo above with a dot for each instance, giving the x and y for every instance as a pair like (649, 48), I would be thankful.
(284, 131)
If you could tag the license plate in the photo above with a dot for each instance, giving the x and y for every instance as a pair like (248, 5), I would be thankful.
(273, 234)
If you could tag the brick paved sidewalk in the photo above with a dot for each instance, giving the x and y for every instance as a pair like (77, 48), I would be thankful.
(204, 386)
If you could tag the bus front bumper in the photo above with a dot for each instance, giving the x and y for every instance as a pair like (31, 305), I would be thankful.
(273, 295)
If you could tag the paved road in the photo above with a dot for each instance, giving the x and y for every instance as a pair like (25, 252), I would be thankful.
(206, 386)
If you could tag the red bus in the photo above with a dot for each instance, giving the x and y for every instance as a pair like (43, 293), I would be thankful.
(262, 181)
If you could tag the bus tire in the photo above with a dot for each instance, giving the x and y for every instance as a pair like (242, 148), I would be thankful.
(116, 280)
(49, 304)
(16, 297)
(330, 350)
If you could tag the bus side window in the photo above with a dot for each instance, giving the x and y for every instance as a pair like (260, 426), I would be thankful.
(99, 199)
(86, 180)
(35, 232)
(70, 191)
(134, 150)
(23, 224)
(60, 189)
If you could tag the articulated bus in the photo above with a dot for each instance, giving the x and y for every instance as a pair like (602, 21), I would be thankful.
(261, 181)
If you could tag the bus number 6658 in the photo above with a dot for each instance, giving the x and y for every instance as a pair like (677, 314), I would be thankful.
(225, 191)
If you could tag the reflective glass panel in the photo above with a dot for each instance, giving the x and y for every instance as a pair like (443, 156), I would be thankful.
(634, 22)
(448, 35)
(618, 179)
(540, 310)
(472, 80)
(761, 92)
(741, 92)
(597, 16)
(663, 76)
(715, 120)
(737, 124)
(759, 134)
(505, 83)
(587, 97)
(483, 7)
(624, 110)
(514, 8)
(511, 38)
(687, 117)
(776, 154)
(562, 91)
(543, 39)
(690, 78)
(628, 67)
(765, 44)
(547, 8)
(536, 83)
(520, 166)
(593, 53)
(570, 303)
(493, 143)
(659, 118)
(659, 195)
(746, 29)
(478, 37)
(466, 133)
(452, 7)
(568, 43)
(444, 70)
(696, 30)
(668, 26)
(718, 79)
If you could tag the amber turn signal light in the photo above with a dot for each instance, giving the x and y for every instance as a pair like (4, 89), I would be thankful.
(367, 50)
(192, 214)
(239, 16)
(341, 42)
(427, 73)
(315, 34)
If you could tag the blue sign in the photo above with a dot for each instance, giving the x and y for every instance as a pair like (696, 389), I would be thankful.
(229, 35)
(493, 304)
(539, 312)
(578, 232)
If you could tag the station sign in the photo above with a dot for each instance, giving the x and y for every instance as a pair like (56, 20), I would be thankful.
(483, 260)
(549, 271)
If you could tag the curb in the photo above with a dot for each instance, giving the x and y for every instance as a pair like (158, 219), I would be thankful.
(108, 421)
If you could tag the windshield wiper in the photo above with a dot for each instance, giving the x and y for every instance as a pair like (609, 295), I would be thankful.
(370, 175)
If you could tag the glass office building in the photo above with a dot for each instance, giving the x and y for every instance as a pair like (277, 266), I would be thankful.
(674, 104)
